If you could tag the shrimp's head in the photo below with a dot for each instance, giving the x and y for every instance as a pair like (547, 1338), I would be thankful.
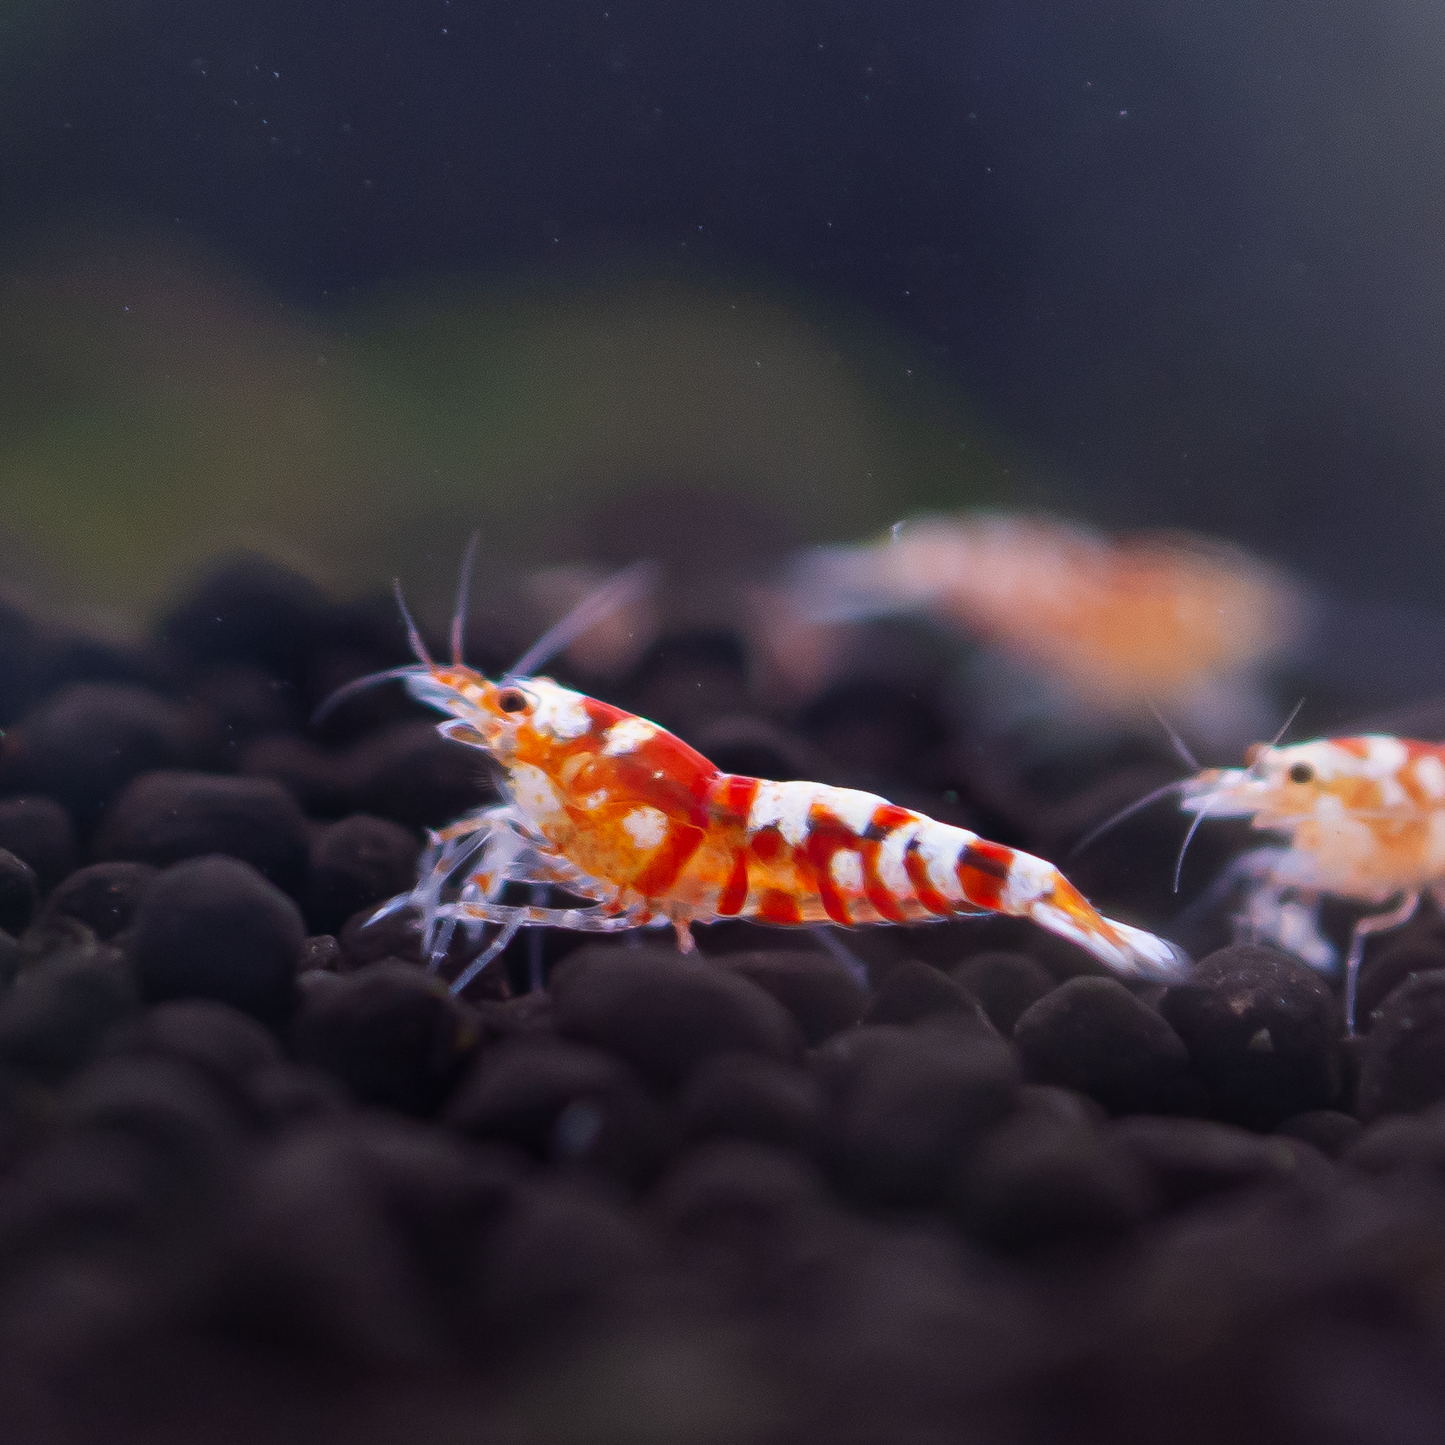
(517, 715)
(1283, 786)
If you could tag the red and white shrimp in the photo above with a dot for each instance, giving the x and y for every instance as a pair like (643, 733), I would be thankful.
(1365, 819)
(618, 812)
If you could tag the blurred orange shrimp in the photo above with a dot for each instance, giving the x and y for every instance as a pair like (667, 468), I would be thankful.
(1163, 619)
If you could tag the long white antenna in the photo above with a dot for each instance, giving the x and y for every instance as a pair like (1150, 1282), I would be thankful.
(464, 587)
(620, 590)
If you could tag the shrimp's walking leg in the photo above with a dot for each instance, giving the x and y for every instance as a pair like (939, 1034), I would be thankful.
(1371, 923)
(582, 920)
(507, 934)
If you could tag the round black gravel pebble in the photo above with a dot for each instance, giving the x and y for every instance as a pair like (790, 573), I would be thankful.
(1263, 1031)
(39, 831)
(1093, 1035)
(565, 1102)
(359, 1243)
(392, 1034)
(818, 990)
(19, 893)
(53, 1019)
(237, 1054)
(86, 742)
(1004, 983)
(1402, 1067)
(904, 1103)
(663, 1012)
(730, 1187)
(1385, 971)
(320, 953)
(222, 1042)
(1039, 1181)
(913, 990)
(321, 782)
(517, 1089)
(1329, 1130)
(356, 862)
(215, 928)
(1401, 1143)
(414, 776)
(164, 818)
(560, 1255)
(1191, 1158)
(743, 1096)
(103, 896)
(251, 610)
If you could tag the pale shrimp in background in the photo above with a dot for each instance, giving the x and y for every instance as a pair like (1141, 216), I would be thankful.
(615, 811)
(1365, 821)
(1118, 626)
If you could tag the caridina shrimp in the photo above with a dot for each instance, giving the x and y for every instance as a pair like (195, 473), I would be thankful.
(616, 811)
(1365, 820)
(1116, 625)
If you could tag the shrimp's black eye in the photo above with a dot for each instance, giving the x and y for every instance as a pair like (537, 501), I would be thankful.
(1301, 773)
(512, 699)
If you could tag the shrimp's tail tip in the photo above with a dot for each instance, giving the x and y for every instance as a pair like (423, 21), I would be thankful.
(1154, 957)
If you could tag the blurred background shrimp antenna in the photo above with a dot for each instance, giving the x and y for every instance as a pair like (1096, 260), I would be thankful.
(1180, 746)
(1284, 727)
(464, 588)
(1137, 806)
(618, 591)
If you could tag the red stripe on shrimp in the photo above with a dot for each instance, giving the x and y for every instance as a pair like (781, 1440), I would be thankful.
(735, 890)
(983, 870)
(827, 837)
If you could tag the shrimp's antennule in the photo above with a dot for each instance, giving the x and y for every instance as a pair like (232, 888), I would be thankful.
(413, 635)
(619, 590)
(423, 663)
(1137, 806)
(332, 701)
(464, 587)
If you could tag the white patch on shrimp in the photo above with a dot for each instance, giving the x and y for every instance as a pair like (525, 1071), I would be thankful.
(846, 868)
(1385, 756)
(939, 845)
(533, 793)
(853, 809)
(647, 827)
(1392, 792)
(627, 736)
(892, 872)
(1430, 773)
(1029, 878)
(595, 800)
(560, 712)
(785, 806)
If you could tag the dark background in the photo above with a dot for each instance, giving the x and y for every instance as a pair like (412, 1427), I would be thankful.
(1186, 256)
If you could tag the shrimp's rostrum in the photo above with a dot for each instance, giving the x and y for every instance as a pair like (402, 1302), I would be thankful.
(1365, 820)
(621, 813)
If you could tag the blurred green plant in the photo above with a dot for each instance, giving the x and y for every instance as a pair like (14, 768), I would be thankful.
(156, 408)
